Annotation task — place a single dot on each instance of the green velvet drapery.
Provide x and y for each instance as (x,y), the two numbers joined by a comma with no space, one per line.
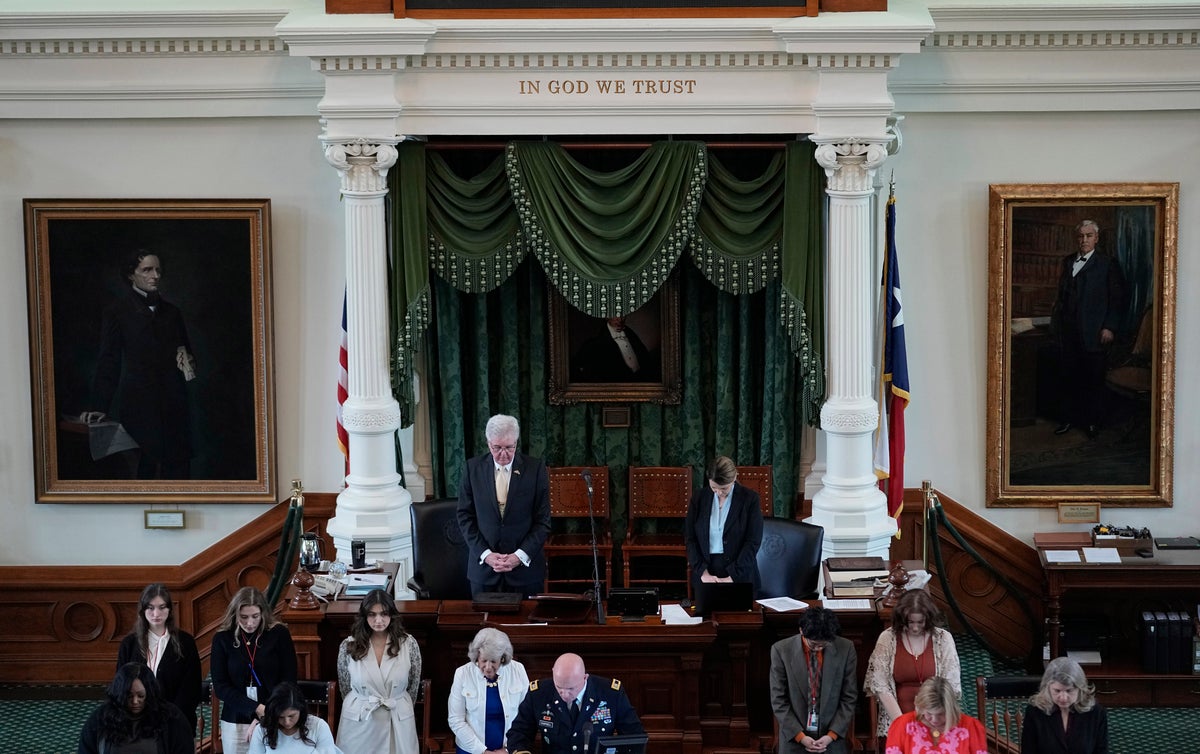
(607,241)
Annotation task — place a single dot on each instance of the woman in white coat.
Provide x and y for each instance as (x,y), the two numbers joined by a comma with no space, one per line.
(379,673)
(485,694)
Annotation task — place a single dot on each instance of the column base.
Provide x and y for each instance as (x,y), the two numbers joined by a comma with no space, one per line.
(381,519)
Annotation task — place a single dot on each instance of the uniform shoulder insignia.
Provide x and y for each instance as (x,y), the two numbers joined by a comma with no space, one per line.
(616,684)
(533,685)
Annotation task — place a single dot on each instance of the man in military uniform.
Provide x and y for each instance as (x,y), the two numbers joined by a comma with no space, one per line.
(602,709)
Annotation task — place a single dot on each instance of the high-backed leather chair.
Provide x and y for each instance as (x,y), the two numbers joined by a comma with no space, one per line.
(758,478)
(789,558)
(439,552)
(568,500)
(659,493)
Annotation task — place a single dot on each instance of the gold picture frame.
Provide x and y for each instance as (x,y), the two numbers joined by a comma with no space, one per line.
(585,366)
(166,397)
(1081,368)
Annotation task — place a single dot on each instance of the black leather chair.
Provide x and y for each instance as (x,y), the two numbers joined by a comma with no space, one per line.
(439,552)
(789,559)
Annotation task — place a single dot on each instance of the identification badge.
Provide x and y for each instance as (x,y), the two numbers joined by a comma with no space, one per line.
(812,722)
(252,693)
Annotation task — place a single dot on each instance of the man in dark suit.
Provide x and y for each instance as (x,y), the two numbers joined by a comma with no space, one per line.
(733,511)
(601,709)
(504,514)
(1090,305)
(814,719)
(616,354)
(145,362)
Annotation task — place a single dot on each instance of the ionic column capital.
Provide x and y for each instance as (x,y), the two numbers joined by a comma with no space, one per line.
(850,164)
(362,164)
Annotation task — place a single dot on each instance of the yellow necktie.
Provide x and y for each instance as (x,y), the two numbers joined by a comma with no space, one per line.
(502,488)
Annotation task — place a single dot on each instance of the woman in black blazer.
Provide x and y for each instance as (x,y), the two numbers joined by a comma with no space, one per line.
(726,508)
(251,655)
(171,655)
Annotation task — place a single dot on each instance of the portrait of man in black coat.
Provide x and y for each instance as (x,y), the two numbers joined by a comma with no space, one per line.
(145,363)
(616,354)
(1087,313)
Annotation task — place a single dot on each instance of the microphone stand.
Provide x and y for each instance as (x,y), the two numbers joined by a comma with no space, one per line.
(587,477)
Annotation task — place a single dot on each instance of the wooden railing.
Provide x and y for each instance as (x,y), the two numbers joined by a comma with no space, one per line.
(63,624)
(994,612)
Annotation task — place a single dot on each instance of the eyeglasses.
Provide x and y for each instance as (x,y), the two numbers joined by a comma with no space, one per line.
(502,448)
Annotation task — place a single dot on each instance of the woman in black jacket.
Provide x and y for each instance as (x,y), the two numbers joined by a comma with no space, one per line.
(134,717)
(171,655)
(251,654)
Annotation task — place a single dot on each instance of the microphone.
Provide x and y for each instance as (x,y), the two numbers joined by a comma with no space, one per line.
(587,477)
(587,737)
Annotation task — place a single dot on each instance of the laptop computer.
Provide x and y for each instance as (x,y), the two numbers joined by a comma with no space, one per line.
(724,597)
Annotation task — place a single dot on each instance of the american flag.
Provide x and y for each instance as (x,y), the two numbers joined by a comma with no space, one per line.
(343,391)
(893,389)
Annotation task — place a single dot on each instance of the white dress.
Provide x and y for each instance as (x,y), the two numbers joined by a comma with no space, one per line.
(318,732)
(377,702)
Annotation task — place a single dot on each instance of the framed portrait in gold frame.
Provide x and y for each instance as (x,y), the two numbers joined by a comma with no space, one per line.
(628,359)
(1081,344)
(151,354)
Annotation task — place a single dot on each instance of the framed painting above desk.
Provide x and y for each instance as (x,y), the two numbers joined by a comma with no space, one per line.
(1081,344)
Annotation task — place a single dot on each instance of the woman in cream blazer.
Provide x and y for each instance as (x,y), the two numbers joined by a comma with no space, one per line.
(485,694)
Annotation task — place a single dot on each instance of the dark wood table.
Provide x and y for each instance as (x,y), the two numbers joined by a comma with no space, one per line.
(695,687)
(1120,591)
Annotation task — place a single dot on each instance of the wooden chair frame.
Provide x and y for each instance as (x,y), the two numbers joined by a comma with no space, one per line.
(568,499)
(758,478)
(656,492)
(1000,706)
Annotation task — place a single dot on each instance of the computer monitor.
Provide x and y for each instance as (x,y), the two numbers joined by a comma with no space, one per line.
(634,743)
(724,596)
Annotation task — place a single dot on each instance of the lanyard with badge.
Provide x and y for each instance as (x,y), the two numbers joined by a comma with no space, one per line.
(252,689)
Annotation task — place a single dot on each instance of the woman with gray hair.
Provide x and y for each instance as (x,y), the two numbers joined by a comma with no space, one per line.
(1063,715)
(485,694)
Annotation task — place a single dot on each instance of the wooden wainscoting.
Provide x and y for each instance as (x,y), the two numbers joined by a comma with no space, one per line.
(995,613)
(63,624)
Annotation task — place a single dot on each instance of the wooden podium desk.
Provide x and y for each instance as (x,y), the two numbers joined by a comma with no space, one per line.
(1171,576)
(695,687)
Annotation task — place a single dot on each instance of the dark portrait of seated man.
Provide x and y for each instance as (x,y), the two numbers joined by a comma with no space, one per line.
(616,354)
(144,365)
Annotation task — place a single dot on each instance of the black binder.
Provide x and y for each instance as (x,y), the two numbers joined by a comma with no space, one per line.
(1177,635)
(1149,642)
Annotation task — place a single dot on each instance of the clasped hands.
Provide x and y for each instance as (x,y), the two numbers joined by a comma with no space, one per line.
(502,563)
(708,578)
(816,744)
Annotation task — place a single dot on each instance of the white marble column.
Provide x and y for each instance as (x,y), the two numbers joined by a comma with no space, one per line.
(373,507)
(849,504)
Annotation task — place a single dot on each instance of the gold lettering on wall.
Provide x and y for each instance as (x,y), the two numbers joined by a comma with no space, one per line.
(607,86)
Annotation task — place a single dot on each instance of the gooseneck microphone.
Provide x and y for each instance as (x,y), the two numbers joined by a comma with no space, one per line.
(587,478)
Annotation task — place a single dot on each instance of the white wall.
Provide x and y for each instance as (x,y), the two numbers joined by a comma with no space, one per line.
(276,158)
(942,177)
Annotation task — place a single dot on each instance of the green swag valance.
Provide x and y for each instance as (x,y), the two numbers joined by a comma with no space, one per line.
(608,240)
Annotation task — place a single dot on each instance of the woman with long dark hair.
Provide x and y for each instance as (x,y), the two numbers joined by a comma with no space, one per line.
(136,718)
(287,728)
(251,654)
(170,653)
(379,674)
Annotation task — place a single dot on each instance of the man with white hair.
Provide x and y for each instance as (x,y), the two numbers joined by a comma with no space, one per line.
(504,514)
